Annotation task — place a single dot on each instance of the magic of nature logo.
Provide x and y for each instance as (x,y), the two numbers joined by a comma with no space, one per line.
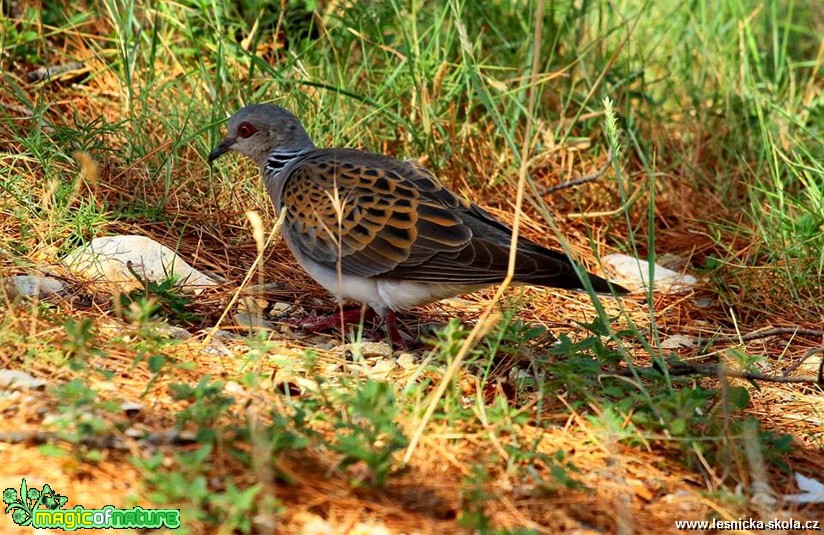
(42,508)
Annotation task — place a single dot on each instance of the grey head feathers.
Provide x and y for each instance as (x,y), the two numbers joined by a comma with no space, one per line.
(260,130)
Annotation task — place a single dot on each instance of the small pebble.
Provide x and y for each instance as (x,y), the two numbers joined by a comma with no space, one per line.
(131,408)
(233,387)
(267,287)
(217,348)
(222,334)
(407,361)
(369,350)
(633,272)
(32,286)
(677,341)
(173,331)
(381,370)
(280,308)
(17,380)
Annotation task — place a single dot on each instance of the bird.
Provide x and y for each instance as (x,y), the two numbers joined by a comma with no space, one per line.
(381,231)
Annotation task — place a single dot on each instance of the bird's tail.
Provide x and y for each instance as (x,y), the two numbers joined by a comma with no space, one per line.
(603,286)
(568,279)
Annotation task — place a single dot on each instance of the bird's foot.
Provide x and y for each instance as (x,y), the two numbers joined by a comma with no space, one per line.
(355,316)
(330,321)
(395,338)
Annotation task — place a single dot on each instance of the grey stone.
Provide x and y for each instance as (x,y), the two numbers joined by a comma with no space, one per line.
(253,321)
(266,287)
(250,314)
(17,380)
(218,348)
(223,334)
(633,273)
(173,331)
(677,341)
(131,408)
(407,361)
(33,286)
(369,349)
(112,259)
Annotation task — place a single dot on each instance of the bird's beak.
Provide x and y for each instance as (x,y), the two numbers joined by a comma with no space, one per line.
(225,146)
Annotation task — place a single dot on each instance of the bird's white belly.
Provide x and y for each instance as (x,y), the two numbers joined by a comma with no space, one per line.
(380,294)
(345,286)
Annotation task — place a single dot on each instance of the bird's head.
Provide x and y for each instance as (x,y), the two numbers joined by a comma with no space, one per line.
(258,130)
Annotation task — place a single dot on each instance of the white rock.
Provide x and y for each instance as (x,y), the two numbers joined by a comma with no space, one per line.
(217,348)
(233,387)
(633,272)
(131,432)
(677,341)
(107,259)
(131,408)
(812,491)
(407,361)
(369,349)
(173,331)
(17,380)
(382,369)
(253,321)
(33,286)
(280,308)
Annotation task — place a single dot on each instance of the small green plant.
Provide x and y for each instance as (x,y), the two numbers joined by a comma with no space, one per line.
(578,364)
(81,341)
(157,300)
(235,507)
(365,431)
(83,418)
(473,514)
(20,40)
(207,403)
(156,363)
(185,484)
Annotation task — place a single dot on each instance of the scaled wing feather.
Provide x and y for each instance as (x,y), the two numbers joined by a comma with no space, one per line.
(391,219)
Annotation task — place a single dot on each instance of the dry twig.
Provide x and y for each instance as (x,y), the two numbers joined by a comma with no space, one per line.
(767,333)
(681,368)
(171,437)
(580,180)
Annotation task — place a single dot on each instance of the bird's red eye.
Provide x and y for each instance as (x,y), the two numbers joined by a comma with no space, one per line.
(245,130)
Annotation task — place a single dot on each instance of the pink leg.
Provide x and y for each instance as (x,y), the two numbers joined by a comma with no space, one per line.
(351,316)
(331,321)
(395,338)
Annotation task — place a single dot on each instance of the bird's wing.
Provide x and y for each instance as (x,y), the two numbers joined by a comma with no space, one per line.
(485,257)
(377,216)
